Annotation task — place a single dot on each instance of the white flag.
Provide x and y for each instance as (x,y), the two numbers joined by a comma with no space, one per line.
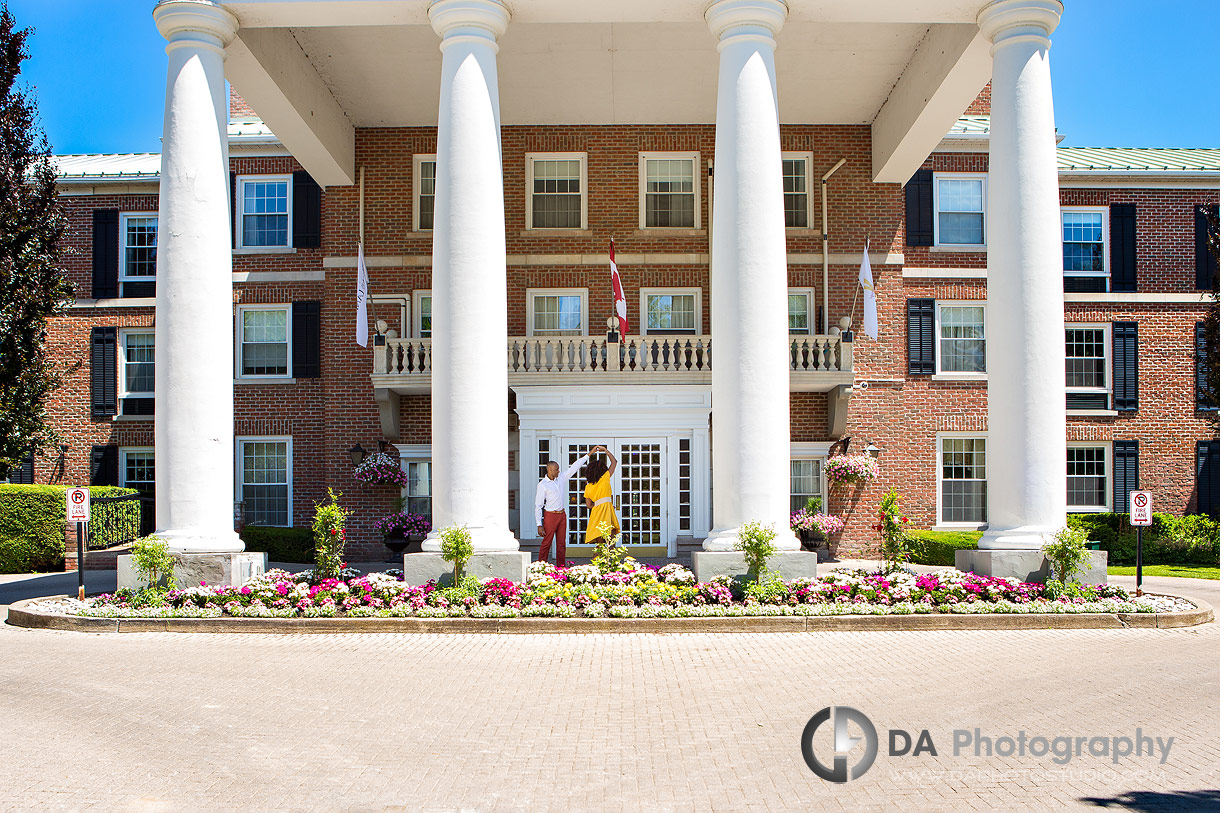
(362,299)
(870,298)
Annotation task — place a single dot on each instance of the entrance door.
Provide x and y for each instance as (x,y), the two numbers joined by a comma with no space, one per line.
(640,494)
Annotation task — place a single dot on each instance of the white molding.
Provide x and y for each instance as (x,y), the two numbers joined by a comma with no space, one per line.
(583,158)
(1137,298)
(944,273)
(414,451)
(279,276)
(594,259)
(663,291)
(1108,490)
(530,293)
(132,302)
(696,159)
(812,315)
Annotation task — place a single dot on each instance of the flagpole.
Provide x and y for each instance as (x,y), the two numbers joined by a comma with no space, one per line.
(856,295)
(361,238)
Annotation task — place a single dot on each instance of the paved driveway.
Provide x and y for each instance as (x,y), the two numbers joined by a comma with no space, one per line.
(157,721)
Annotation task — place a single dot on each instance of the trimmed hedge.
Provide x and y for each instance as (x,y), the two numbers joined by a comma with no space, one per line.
(32,525)
(1170,540)
(939,547)
(294,545)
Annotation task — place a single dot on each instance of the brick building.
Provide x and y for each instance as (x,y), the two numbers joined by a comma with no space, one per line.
(305,392)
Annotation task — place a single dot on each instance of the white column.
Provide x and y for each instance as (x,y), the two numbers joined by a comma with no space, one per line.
(194,320)
(749,281)
(469,288)
(1027,425)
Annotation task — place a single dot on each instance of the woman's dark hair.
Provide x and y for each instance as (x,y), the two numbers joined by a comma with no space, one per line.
(595,468)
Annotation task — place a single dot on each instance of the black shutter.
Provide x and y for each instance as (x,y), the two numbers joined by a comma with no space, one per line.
(306,339)
(1205,263)
(1122,247)
(1126,365)
(919,208)
(306,211)
(103,371)
(104,466)
(1202,402)
(232,207)
(1126,472)
(105,253)
(23,474)
(1207,477)
(139,406)
(921,352)
(1084,285)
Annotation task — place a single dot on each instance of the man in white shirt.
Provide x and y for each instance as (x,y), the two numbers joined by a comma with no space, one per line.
(550,508)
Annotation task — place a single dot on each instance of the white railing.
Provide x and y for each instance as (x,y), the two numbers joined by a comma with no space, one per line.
(636,357)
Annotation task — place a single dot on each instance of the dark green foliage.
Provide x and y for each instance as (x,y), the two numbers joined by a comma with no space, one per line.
(1193,539)
(32,525)
(115,523)
(32,282)
(294,545)
(939,547)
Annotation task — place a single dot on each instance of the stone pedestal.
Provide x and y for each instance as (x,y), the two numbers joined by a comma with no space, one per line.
(1025,565)
(790,564)
(233,569)
(421,568)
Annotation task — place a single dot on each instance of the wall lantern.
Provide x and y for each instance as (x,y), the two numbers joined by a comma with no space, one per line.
(873,450)
(357,454)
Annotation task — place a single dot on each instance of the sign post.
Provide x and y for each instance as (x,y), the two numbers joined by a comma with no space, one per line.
(77,501)
(1141,515)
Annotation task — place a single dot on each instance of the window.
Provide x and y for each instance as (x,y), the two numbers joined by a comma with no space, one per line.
(1088,478)
(425,192)
(961,346)
(677,311)
(423,314)
(556,183)
(419,487)
(137,365)
(1087,361)
(137,469)
(1084,242)
(796,190)
(960,205)
(800,310)
(668,191)
(806,479)
(962,488)
(557,312)
(265,480)
(264,342)
(139,235)
(265,212)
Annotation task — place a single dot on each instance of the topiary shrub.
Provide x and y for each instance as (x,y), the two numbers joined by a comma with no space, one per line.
(293,545)
(31,528)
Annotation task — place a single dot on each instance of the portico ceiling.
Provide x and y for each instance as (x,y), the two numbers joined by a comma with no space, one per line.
(316,69)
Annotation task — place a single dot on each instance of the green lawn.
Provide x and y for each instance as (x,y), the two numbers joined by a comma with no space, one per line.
(1187,571)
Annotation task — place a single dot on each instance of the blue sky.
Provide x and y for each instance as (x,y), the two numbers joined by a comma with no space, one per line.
(1123,75)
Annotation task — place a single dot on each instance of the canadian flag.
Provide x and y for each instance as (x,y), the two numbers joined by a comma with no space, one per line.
(620,301)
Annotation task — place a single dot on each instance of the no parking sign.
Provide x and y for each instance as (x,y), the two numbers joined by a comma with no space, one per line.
(77,500)
(1141,507)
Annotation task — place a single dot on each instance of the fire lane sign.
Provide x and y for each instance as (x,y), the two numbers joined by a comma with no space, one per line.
(77,500)
(1141,507)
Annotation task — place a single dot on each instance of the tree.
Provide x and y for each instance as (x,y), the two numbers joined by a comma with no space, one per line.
(33,286)
(1209,386)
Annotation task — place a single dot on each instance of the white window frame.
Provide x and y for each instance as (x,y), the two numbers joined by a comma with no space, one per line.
(953,374)
(808,294)
(1108,490)
(240,205)
(126,450)
(940,470)
(809,456)
(416,160)
(647,292)
(123,218)
(123,392)
(1107,346)
(807,157)
(417,313)
(960,176)
(241,309)
(530,293)
(415,453)
(239,469)
(697,183)
(1104,211)
(530,158)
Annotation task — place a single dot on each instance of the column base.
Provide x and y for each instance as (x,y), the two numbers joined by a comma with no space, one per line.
(1025,565)
(421,568)
(796,564)
(481,539)
(202,541)
(725,539)
(216,569)
(1027,538)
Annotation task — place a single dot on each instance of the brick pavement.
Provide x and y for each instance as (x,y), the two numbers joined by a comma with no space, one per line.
(162,721)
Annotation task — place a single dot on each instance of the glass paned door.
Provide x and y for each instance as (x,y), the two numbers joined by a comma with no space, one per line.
(639,485)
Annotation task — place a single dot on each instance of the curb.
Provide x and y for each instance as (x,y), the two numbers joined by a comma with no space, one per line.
(20,616)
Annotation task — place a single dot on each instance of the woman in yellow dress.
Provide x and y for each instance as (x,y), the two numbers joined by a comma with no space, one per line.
(598,496)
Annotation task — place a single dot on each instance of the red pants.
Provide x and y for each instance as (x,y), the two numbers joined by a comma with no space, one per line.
(554,526)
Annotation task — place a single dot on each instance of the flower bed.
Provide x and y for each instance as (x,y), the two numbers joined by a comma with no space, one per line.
(632,591)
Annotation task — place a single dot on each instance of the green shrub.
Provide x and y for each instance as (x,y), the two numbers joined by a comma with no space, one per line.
(31,528)
(1068,556)
(154,562)
(293,545)
(114,523)
(456,547)
(329,536)
(1170,540)
(940,547)
(756,543)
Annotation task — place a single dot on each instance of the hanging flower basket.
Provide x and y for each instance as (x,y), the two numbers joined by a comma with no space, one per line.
(816,525)
(852,469)
(380,469)
(402,525)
